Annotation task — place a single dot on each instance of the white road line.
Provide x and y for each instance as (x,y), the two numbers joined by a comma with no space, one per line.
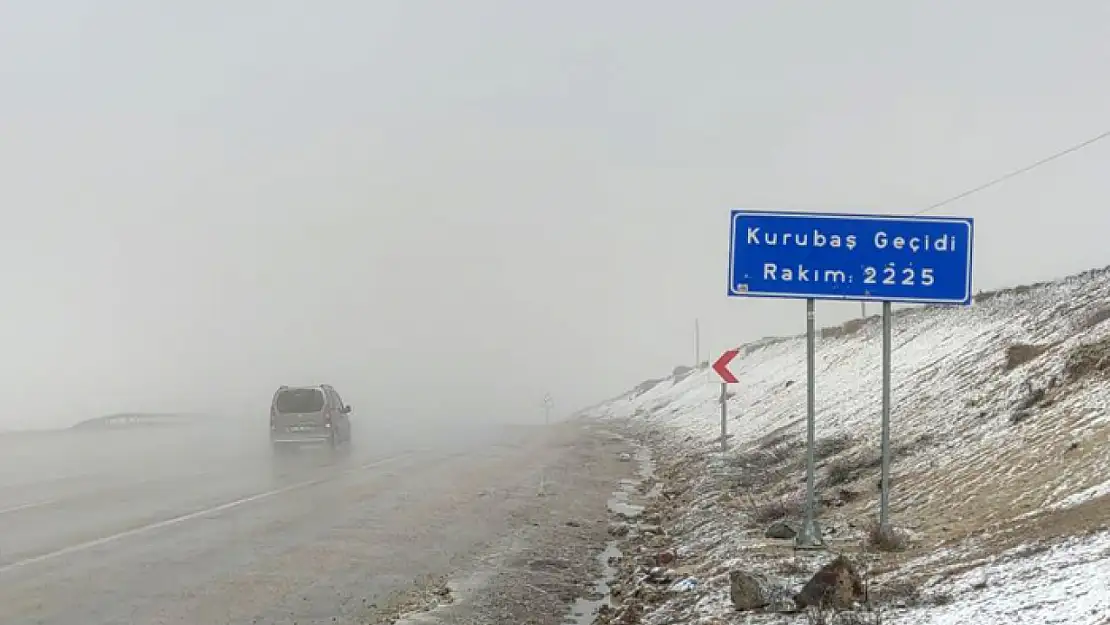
(92,544)
(29,506)
(113,487)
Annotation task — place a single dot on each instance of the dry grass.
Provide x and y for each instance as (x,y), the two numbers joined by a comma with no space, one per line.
(849,469)
(789,507)
(828,447)
(1005,509)
(915,446)
(847,329)
(886,539)
(940,599)
(1022,353)
(986,296)
(778,439)
(646,386)
(1088,359)
(764,342)
(767,464)
(793,567)
(829,616)
(1096,318)
(840,471)
(905,592)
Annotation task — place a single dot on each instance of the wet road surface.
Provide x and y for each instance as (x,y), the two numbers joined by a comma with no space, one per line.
(193,525)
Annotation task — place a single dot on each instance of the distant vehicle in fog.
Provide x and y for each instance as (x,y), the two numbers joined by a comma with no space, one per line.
(302,415)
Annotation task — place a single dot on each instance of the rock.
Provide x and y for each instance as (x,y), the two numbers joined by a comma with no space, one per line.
(847,496)
(685,584)
(653,595)
(629,515)
(681,371)
(618,529)
(745,591)
(625,457)
(836,585)
(631,614)
(781,530)
(661,575)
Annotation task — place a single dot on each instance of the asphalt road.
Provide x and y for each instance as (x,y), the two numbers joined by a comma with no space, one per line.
(195,525)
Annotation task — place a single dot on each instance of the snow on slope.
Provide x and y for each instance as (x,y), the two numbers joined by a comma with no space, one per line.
(995,454)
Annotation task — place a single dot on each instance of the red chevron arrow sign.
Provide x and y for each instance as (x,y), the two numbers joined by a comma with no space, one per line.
(721,366)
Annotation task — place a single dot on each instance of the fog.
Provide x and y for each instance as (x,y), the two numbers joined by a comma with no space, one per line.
(448,209)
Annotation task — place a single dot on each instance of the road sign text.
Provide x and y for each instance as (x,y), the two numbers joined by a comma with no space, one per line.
(843,256)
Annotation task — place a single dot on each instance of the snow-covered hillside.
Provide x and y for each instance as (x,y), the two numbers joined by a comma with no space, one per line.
(1000,426)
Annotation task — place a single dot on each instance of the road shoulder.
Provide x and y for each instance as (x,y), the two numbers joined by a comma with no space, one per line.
(548,559)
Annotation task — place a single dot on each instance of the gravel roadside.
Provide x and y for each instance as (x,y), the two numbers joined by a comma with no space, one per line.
(547,560)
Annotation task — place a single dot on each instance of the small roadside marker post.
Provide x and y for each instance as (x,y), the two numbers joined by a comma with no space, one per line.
(547,404)
(720,366)
(842,256)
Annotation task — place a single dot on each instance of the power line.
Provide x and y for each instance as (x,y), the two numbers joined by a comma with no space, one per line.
(1017,172)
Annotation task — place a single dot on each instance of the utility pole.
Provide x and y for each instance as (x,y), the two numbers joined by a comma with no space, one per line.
(697,344)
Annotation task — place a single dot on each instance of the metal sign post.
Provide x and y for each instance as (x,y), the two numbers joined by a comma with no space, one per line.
(720,366)
(840,256)
(809,536)
(884,499)
(724,417)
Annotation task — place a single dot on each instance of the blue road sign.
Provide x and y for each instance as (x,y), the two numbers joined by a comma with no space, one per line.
(853,257)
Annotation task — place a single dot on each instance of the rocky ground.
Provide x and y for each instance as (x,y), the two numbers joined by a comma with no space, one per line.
(673,570)
(714,545)
(536,575)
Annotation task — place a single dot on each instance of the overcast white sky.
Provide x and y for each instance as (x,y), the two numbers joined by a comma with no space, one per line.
(448,208)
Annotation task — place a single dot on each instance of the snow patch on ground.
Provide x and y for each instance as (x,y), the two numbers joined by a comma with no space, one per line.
(1070,583)
(1094,492)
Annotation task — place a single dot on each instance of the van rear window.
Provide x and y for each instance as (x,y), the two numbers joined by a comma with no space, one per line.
(300,400)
